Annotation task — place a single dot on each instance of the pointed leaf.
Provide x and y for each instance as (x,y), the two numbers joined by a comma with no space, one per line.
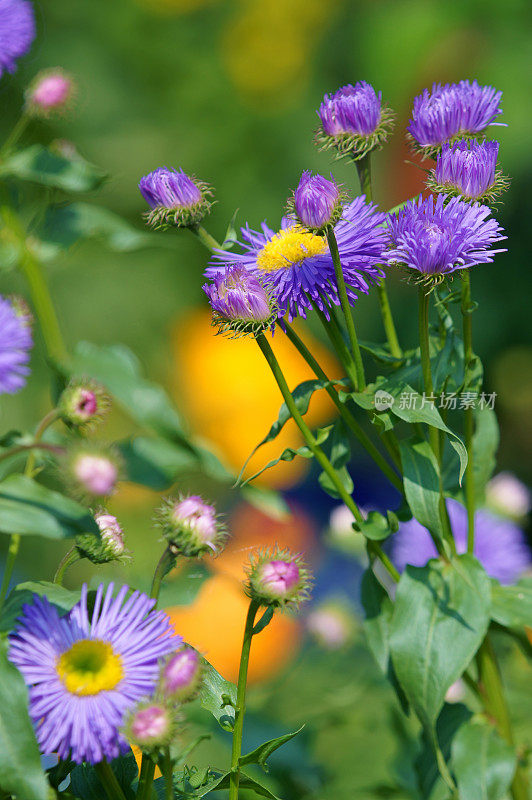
(421,482)
(51,168)
(63,599)
(261,753)
(512,605)
(212,692)
(483,763)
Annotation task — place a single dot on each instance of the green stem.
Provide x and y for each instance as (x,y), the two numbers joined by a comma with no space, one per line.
(434,434)
(23,448)
(168,775)
(44,308)
(334,334)
(206,238)
(17,131)
(346,308)
(14,544)
(236,751)
(147,773)
(491,688)
(109,781)
(316,450)
(45,423)
(70,557)
(469,419)
(164,565)
(346,415)
(363,166)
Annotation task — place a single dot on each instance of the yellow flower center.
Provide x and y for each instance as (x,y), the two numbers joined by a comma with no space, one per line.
(288,248)
(89,667)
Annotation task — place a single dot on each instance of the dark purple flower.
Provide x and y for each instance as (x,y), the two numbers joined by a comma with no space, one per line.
(436,237)
(353,120)
(452,110)
(174,197)
(317,201)
(240,302)
(468,169)
(15,344)
(298,264)
(500,545)
(17,32)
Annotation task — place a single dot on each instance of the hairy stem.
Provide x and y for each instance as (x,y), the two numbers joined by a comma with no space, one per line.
(164,565)
(469,420)
(205,238)
(70,557)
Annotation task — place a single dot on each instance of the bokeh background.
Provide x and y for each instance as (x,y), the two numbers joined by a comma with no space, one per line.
(228,90)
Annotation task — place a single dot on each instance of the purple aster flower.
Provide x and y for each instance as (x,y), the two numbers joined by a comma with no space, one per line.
(85,673)
(435,237)
(174,197)
(500,545)
(317,202)
(17,32)
(241,303)
(455,110)
(468,169)
(15,343)
(298,264)
(353,120)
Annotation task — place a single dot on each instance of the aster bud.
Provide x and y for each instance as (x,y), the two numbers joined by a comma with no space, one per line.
(51,92)
(241,304)
(353,121)
(175,198)
(181,675)
(109,546)
(191,526)
(277,577)
(151,725)
(93,471)
(331,624)
(83,404)
(468,169)
(317,203)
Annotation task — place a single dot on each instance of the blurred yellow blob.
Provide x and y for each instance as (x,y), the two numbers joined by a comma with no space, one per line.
(230,396)
(214,624)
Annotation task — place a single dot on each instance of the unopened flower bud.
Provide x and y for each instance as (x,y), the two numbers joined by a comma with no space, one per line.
(241,304)
(507,495)
(191,526)
(83,404)
(317,202)
(181,675)
(277,578)
(151,725)
(175,198)
(468,169)
(51,92)
(109,546)
(93,472)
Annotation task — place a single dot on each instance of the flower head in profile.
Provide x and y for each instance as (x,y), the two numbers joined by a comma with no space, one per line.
(500,545)
(86,670)
(51,92)
(434,238)
(108,546)
(83,404)
(93,470)
(17,32)
(242,303)
(353,120)
(317,203)
(277,577)
(191,526)
(450,112)
(175,198)
(181,675)
(468,169)
(15,344)
(297,263)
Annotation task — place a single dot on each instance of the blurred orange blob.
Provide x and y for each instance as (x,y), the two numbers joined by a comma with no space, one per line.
(214,624)
(230,396)
(250,528)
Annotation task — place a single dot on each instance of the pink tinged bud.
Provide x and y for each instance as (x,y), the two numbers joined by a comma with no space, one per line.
(198,516)
(329,626)
(150,725)
(181,673)
(87,404)
(506,493)
(97,474)
(111,533)
(278,578)
(51,91)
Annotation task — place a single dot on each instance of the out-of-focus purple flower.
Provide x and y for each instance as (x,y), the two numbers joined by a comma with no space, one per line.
(353,120)
(17,32)
(468,169)
(500,545)
(507,495)
(435,237)
(174,197)
(454,110)
(298,264)
(93,471)
(331,624)
(191,526)
(50,92)
(15,344)
(316,202)
(85,672)
(241,302)
(277,577)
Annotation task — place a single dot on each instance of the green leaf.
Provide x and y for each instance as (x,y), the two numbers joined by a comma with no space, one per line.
(421,483)
(485,446)
(261,753)
(378,527)
(63,599)
(264,621)
(483,763)
(50,168)
(321,435)
(511,606)
(212,692)
(339,456)
(28,508)
(380,353)
(86,784)
(189,784)
(379,609)
(269,501)
(452,717)
(21,774)
(440,618)
(231,233)
(182,589)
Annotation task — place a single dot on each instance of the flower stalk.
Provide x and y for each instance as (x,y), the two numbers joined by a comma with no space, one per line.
(469,419)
